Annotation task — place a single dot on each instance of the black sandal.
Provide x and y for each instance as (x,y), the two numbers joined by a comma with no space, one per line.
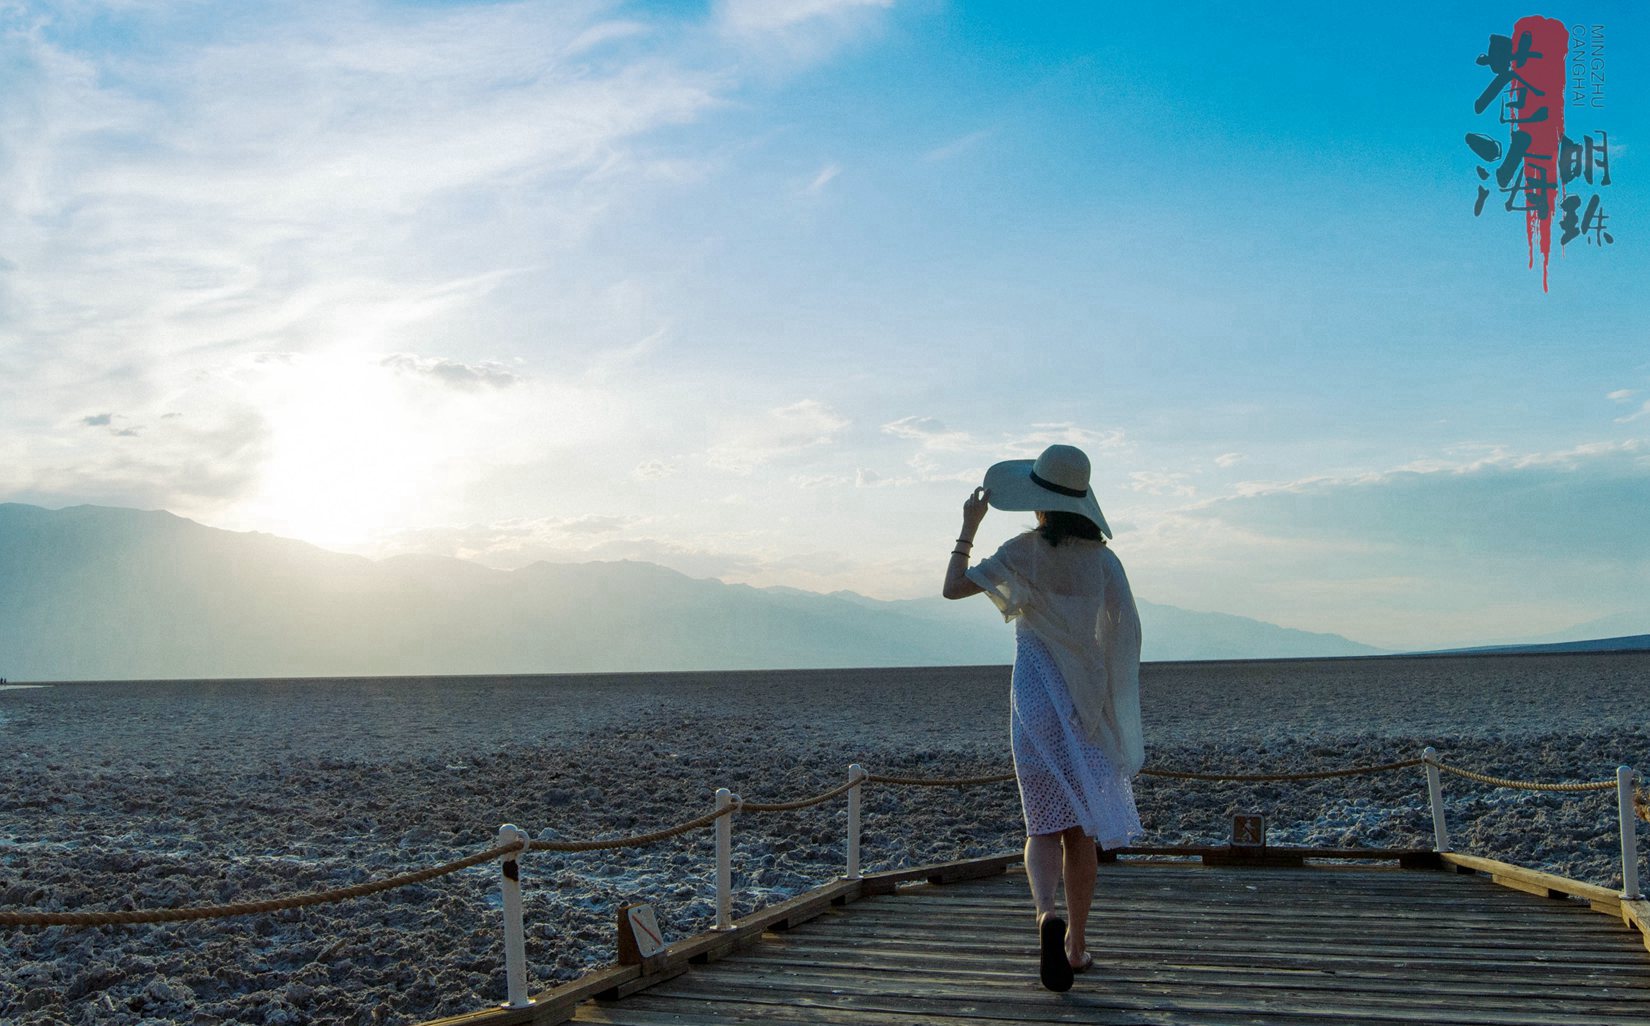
(1053,968)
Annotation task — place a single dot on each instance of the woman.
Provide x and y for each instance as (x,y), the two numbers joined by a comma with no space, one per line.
(1075,699)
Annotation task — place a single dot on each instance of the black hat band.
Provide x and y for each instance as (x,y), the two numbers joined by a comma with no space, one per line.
(1061,489)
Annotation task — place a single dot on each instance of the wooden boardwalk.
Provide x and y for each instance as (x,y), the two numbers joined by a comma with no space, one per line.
(1176,942)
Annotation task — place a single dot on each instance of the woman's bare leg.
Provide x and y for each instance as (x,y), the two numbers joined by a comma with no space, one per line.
(1043,858)
(1081,863)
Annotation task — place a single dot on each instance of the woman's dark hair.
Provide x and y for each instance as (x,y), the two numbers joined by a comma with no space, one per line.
(1059,525)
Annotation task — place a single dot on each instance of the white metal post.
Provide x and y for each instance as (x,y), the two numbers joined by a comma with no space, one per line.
(1435,792)
(1629,837)
(515,938)
(724,861)
(856,773)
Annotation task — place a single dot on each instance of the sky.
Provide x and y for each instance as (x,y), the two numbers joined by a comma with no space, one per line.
(757,291)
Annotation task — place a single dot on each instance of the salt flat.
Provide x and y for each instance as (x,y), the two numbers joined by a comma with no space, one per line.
(159,794)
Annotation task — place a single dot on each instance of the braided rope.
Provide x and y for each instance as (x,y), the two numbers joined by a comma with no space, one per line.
(1641,801)
(1527,785)
(800,803)
(635,840)
(242,908)
(1351,771)
(878,778)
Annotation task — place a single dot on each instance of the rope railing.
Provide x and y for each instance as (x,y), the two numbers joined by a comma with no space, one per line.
(242,908)
(513,842)
(1528,785)
(1350,771)
(881,778)
(801,803)
(633,840)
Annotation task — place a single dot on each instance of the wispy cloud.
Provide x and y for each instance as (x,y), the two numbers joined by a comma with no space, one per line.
(1555,535)
(1160,483)
(453,373)
(335,183)
(930,434)
(771,16)
(1229,459)
(780,432)
(958,146)
(822,179)
(1642,412)
(933,435)
(652,470)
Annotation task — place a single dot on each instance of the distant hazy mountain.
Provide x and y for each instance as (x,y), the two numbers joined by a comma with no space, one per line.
(1621,626)
(1628,643)
(97,593)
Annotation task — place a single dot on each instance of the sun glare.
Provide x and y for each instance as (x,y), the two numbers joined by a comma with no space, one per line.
(346,451)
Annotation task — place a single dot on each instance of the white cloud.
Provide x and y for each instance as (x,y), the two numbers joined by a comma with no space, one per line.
(785,431)
(931,433)
(213,232)
(1228,459)
(811,481)
(1158,483)
(1506,544)
(653,470)
(958,146)
(935,436)
(1621,395)
(768,16)
(1643,411)
(453,373)
(1097,444)
(823,178)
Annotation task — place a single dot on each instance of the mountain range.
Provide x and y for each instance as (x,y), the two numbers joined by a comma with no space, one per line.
(93,593)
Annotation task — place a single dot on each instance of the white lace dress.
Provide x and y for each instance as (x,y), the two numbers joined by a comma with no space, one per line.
(1065,780)
(1075,702)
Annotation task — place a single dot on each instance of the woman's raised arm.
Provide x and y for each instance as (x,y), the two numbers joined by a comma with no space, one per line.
(957,584)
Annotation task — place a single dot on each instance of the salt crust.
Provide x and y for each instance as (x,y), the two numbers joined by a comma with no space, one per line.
(144,795)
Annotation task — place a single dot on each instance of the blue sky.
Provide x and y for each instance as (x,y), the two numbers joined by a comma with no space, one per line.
(757,290)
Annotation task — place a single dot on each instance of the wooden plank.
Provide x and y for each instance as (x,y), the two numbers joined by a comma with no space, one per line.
(871,923)
(641,983)
(684,1012)
(1113,908)
(1567,920)
(1420,856)
(1267,990)
(1636,914)
(1207,945)
(1625,968)
(1471,979)
(1537,882)
(1028,1003)
(1283,953)
(888,881)
(705,1011)
(556,1005)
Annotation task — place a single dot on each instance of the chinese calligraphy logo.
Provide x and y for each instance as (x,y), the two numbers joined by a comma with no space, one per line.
(1540,163)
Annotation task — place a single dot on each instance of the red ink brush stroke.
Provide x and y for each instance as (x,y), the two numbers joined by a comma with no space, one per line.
(1551,40)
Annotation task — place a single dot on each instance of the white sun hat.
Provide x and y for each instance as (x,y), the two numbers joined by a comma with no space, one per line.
(1056,480)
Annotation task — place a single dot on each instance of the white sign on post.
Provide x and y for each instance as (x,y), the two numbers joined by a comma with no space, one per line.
(645,926)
